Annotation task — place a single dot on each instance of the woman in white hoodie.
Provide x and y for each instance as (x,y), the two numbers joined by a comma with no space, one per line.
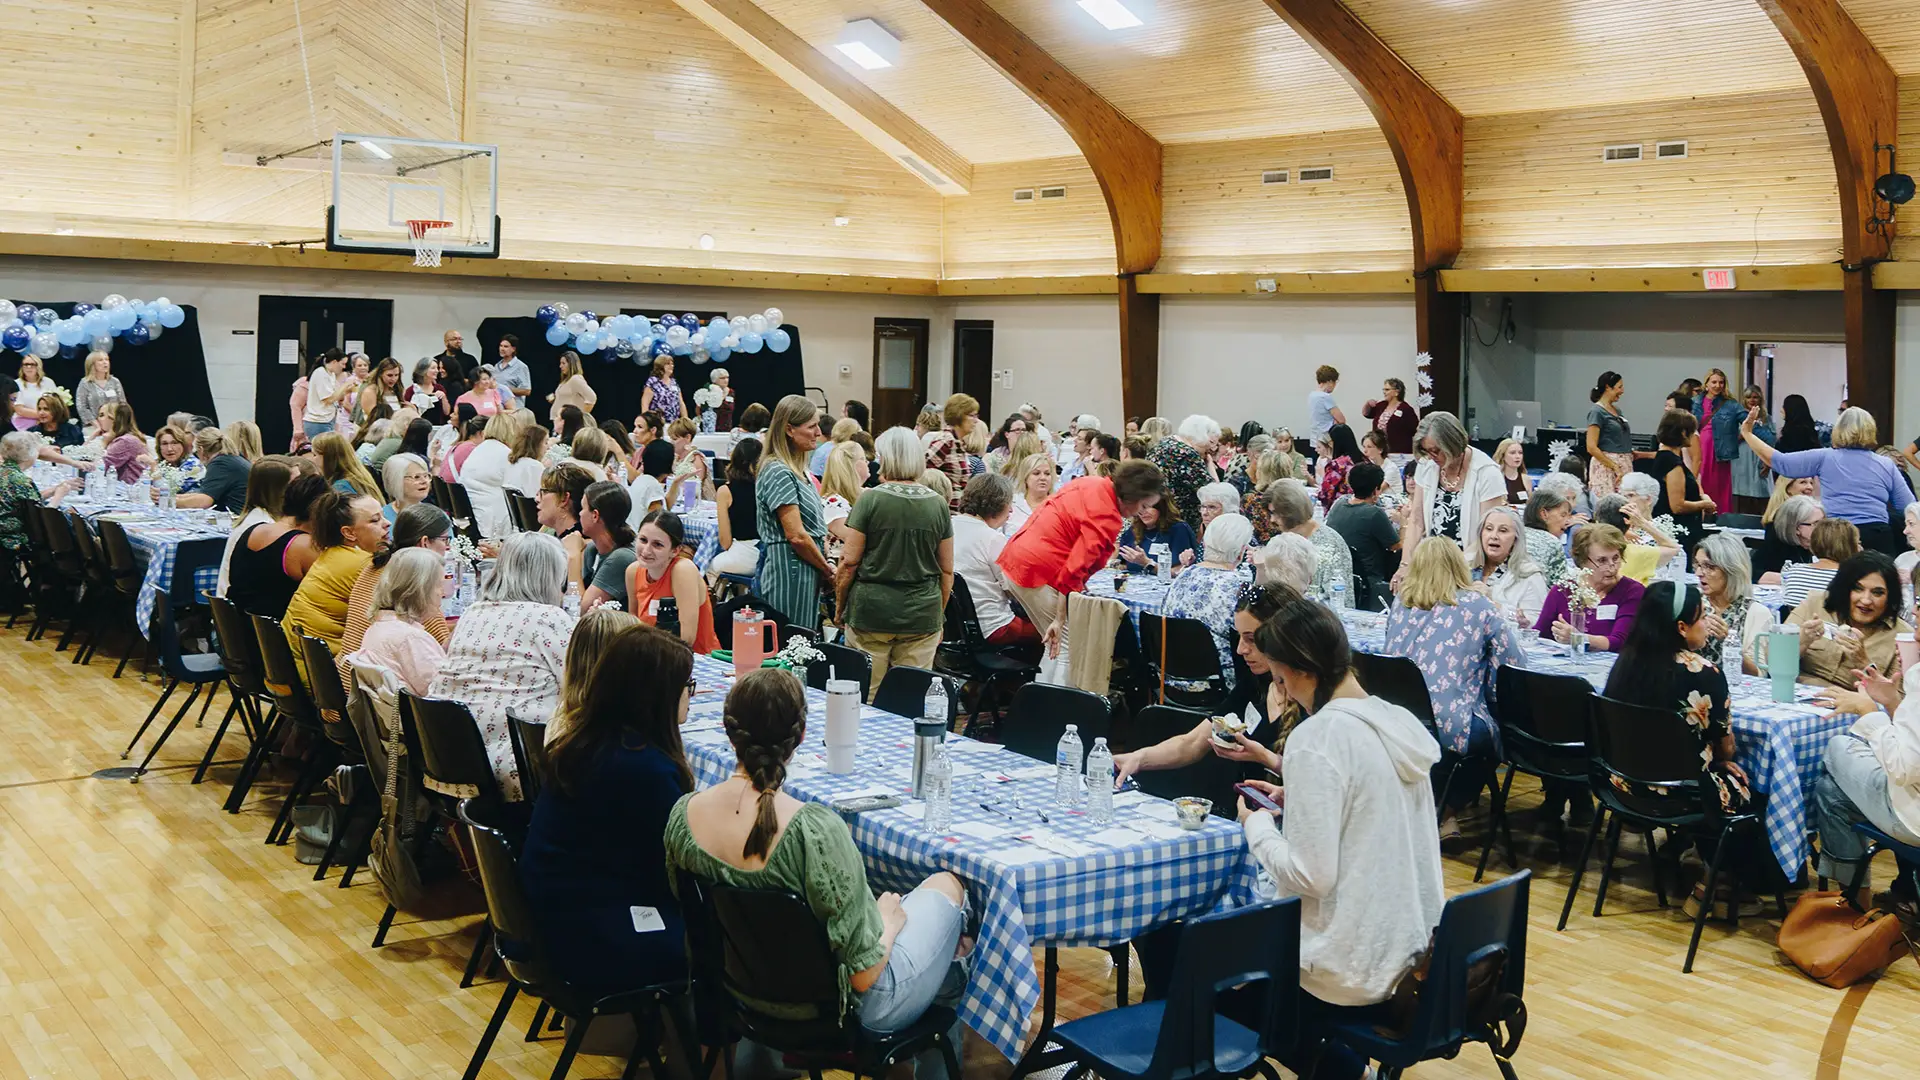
(1872,774)
(1359,845)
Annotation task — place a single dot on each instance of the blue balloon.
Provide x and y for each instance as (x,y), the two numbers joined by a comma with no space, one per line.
(69,352)
(621,325)
(122,318)
(172,316)
(138,334)
(719,354)
(751,342)
(591,316)
(778,340)
(690,321)
(683,350)
(556,333)
(586,344)
(546,315)
(97,323)
(17,338)
(82,309)
(25,313)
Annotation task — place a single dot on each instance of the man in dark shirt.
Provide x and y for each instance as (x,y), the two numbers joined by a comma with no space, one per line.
(1369,533)
(456,366)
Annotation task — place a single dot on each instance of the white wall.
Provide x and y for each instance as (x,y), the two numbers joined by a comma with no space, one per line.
(835,329)
(1654,341)
(1906,373)
(1063,351)
(1503,370)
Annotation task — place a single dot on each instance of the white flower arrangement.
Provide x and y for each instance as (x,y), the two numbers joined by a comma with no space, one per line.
(709,397)
(463,549)
(799,652)
(1557,452)
(169,476)
(557,452)
(1574,580)
(1666,524)
(65,396)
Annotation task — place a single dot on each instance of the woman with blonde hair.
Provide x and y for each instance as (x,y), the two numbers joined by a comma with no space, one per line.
(1019,449)
(1856,484)
(526,459)
(382,388)
(126,453)
(34,385)
(841,486)
(1033,486)
(341,469)
(484,474)
(573,389)
(789,515)
(243,436)
(1506,572)
(99,387)
(595,452)
(591,635)
(1459,638)
(1157,428)
(843,430)
(1511,456)
(1718,415)
(939,483)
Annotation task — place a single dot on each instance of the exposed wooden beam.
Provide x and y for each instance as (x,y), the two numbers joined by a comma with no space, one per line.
(1424,131)
(1360,281)
(1897,275)
(1139,349)
(316,257)
(835,89)
(1124,158)
(1809,277)
(1859,100)
(1087,285)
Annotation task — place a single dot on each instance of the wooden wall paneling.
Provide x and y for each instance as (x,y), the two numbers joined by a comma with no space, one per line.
(1197,72)
(988,234)
(1220,218)
(250,97)
(1859,103)
(183,111)
(837,91)
(940,80)
(1905,246)
(1506,56)
(400,67)
(1284,283)
(1756,187)
(1806,277)
(1891,26)
(606,135)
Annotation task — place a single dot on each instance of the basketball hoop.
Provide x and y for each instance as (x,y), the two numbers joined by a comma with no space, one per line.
(426,247)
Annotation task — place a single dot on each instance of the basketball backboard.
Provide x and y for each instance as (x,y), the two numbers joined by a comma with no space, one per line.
(380,183)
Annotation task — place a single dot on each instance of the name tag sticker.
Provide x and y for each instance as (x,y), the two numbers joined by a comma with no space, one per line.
(647,920)
(1607,611)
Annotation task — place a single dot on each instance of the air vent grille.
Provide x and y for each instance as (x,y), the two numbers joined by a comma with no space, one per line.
(1665,150)
(1023,195)
(1630,152)
(1316,174)
(1274,176)
(1059,192)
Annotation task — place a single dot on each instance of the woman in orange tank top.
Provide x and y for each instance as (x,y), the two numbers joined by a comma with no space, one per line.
(664,572)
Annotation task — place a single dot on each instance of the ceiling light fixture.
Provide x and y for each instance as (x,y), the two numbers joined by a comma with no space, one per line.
(706,241)
(376,150)
(869,44)
(840,221)
(1118,14)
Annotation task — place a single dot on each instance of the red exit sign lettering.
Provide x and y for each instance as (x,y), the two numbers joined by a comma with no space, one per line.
(1718,279)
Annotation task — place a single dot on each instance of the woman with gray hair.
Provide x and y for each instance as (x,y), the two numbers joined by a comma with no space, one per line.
(1292,510)
(1726,581)
(1186,460)
(1288,559)
(1506,571)
(1568,487)
(896,570)
(510,647)
(1791,538)
(1453,487)
(1856,484)
(396,638)
(1216,499)
(1210,589)
(19,495)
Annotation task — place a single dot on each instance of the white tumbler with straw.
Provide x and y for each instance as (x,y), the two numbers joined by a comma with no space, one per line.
(843,723)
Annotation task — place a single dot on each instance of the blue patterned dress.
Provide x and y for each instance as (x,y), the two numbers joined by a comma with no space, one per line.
(1210,595)
(1458,647)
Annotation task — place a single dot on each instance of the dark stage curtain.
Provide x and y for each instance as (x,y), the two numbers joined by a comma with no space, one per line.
(161,377)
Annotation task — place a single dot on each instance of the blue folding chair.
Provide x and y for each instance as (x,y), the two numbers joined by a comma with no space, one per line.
(1485,929)
(1183,1035)
(200,671)
(1905,856)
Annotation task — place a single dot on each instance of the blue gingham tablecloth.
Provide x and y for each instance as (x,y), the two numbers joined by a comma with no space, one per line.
(1055,880)
(156,536)
(703,534)
(1780,744)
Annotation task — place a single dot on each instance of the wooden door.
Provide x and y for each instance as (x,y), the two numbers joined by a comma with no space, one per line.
(294,331)
(899,371)
(973,364)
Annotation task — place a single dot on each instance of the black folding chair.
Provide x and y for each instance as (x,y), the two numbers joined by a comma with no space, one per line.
(462,513)
(843,660)
(1183,658)
(127,576)
(240,657)
(529,739)
(903,692)
(291,701)
(1398,680)
(445,740)
(1543,729)
(330,699)
(965,654)
(1040,715)
(199,671)
(63,572)
(523,511)
(1211,778)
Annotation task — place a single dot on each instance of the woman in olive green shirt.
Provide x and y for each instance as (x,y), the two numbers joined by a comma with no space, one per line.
(897,956)
(896,570)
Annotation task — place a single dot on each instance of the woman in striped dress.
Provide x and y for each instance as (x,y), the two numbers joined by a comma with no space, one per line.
(788,513)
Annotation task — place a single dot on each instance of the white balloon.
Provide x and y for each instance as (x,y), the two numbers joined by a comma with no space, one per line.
(103,343)
(113,300)
(698,338)
(739,322)
(775,317)
(561,310)
(576,322)
(7,312)
(45,344)
(162,302)
(757,323)
(701,356)
(677,336)
(731,341)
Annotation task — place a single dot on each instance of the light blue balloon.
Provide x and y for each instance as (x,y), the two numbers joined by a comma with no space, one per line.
(172,316)
(556,333)
(587,343)
(751,342)
(720,354)
(683,349)
(99,322)
(69,332)
(621,325)
(122,318)
(778,340)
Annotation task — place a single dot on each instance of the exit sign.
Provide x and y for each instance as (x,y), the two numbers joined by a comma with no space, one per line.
(1718,279)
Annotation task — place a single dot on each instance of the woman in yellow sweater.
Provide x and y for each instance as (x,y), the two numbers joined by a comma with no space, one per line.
(348,530)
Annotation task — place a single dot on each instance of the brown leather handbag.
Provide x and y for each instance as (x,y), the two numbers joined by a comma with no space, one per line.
(1835,943)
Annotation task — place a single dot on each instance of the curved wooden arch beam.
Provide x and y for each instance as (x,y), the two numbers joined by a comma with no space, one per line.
(1125,161)
(1427,137)
(1858,95)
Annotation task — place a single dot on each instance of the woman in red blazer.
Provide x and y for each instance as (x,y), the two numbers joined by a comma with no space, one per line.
(1071,537)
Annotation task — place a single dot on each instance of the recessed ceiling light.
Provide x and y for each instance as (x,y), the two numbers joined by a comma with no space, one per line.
(1118,14)
(869,44)
(706,241)
(376,150)
(841,220)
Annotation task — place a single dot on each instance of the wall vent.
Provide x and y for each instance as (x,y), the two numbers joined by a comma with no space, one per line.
(1059,192)
(1630,152)
(1665,150)
(1274,176)
(1316,174)
(1024,194)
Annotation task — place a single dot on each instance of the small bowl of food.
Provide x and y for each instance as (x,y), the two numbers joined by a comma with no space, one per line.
(1191,812)
(1226,728)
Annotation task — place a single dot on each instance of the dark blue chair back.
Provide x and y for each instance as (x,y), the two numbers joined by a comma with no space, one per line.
(188,559)
(1255,944)
(166,635)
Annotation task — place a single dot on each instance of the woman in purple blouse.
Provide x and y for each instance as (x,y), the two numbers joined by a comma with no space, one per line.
(662,394)
(1599,550)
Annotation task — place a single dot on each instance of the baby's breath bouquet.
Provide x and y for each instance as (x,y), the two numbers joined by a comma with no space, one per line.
(1573,580)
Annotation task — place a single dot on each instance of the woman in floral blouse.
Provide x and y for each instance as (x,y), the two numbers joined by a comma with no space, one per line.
(1210,590)
(1459,639)
(1338,453)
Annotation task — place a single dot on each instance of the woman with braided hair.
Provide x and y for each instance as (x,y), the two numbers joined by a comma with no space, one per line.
(897,955)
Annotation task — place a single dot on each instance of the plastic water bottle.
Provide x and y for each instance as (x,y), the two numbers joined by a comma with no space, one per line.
(1730,655)
(1337,596)
(450,588)
(936,791)
(1100,783)
(166,496)
(1066,769)
(935,705)
(572,602)
(1163,558)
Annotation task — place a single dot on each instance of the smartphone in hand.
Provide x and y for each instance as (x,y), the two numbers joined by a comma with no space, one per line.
(1257,797)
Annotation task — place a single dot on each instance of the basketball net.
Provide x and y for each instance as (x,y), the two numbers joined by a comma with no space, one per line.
(426,247)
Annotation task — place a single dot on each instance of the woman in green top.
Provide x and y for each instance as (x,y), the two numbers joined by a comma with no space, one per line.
(787,513)
(896,570)
(897,956)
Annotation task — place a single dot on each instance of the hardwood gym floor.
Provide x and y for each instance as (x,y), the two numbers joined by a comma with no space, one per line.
(145,933)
